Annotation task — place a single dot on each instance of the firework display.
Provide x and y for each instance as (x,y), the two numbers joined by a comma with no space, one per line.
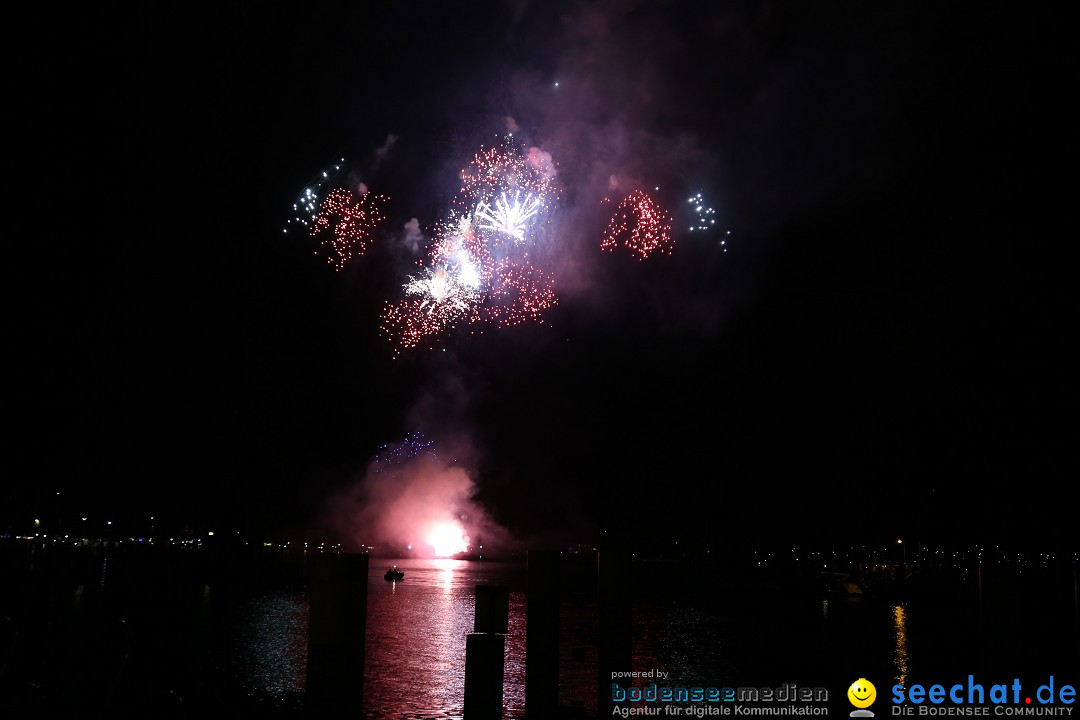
(704,218)
(478,268)
(394,455)
(641,225)
(507,216)
(467,251)
(520,292)
(345,224)
(703,215)
(423,498)
(306,206)
(342,219)
(447,539)
(505,168)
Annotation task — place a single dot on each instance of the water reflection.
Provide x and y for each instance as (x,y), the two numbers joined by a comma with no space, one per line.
(446,572)
(416,638)
(271,655)
(208,628)
(417,627)
(416,630)
(900,653)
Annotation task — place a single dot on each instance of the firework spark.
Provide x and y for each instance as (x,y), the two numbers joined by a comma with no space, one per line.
(521,292)
(641,225)
(472,274)
(346,224)
(441,290)
(306,206)
(507,216)
(406,324)
(445,293)
(504,168)
(704,219)
(703,215)
(415,500)
(439,300)
(458,245)
(393,456)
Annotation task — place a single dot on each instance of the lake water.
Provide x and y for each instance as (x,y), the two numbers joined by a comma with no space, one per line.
(171,634)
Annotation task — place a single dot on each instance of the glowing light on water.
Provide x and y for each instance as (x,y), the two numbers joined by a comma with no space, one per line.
(900,653)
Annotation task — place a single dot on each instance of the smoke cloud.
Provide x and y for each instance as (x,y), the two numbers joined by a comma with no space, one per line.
(542,162)
(413,237)
(382,150)
(417,497)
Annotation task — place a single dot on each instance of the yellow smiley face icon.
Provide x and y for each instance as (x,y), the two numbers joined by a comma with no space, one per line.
(862,693)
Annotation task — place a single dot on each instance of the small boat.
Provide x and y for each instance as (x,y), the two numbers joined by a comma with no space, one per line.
(840,583)
(392,573)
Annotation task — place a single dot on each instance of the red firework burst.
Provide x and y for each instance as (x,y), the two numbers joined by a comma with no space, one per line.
(641,225)
(345,225)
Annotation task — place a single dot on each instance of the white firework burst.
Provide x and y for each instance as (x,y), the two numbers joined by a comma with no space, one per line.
(442,291)
(508,216)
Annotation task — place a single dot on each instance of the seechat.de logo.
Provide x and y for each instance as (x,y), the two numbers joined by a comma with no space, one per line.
(975,698)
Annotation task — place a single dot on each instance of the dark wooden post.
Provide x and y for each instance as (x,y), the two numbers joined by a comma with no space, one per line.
(613,608)
(484,653)
(542,635)
(337,621)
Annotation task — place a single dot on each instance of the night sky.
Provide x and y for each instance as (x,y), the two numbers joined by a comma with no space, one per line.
(887,347)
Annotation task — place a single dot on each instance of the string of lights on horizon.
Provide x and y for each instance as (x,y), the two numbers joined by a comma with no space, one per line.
(961,559)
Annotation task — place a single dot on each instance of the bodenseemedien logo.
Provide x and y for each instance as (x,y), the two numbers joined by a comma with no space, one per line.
(862,694)
(697,701)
